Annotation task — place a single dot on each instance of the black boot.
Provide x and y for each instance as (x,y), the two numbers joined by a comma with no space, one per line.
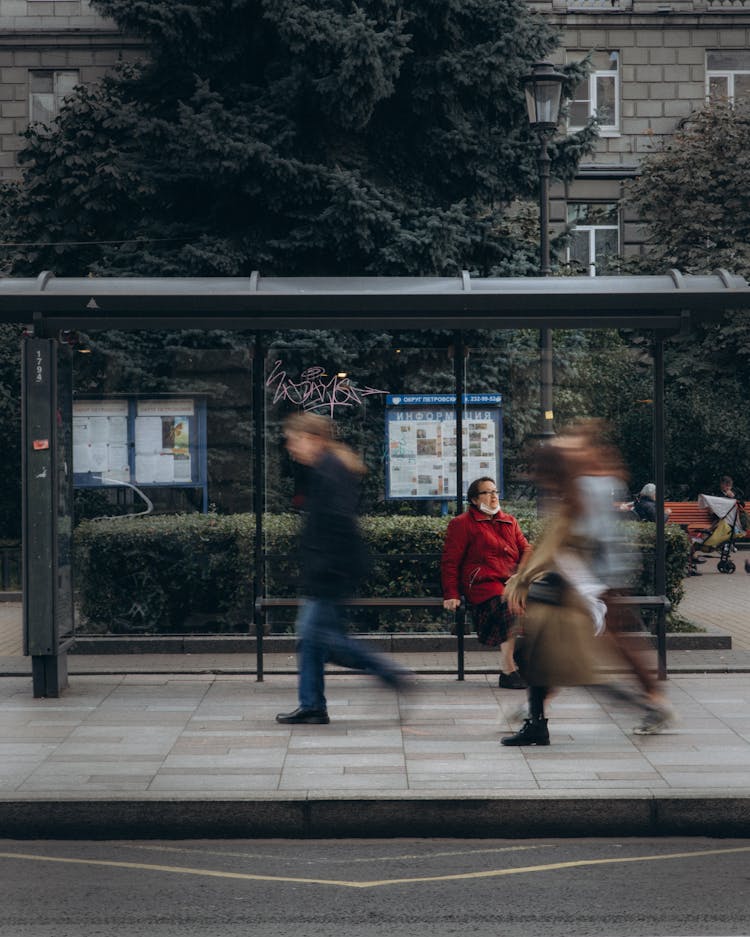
(532,732)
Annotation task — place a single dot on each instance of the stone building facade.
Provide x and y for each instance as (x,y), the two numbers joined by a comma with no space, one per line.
(47,47)
(655,61)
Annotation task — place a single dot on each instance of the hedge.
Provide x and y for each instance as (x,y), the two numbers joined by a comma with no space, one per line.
(195,573)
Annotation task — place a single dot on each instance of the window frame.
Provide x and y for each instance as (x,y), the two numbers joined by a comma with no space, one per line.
(58,97)
(591,230)
(606,130)
(730,73)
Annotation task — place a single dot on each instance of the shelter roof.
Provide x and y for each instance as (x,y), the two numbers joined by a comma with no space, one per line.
(258,302)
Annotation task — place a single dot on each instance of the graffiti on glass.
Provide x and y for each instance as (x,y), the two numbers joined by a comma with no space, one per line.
(316,390)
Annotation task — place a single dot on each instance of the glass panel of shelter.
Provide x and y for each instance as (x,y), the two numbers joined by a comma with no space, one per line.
(154,416)
(364,382)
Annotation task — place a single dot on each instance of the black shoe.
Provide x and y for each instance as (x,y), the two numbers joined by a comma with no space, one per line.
(747,566)
(511,681)
(532,732)
(694,572)
(311,717)
(700,559)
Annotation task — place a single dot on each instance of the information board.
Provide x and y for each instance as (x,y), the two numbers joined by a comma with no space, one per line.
(158,441)
(421,444)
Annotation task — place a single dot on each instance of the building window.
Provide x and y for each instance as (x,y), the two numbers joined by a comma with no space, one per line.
(728,75)
(47,91)
(598,95)
(594,246)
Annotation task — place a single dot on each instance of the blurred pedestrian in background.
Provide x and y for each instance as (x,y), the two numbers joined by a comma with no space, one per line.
(333,560)
(483,547)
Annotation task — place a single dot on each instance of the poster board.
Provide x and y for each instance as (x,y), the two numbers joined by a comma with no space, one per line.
(144,441)
(421,444)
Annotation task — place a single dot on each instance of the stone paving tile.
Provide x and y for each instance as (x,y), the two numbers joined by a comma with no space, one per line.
(603,786)
(361,759)
(708,781)
(341,784)
(232,745)
(207,785)
(228,761)
(108,784)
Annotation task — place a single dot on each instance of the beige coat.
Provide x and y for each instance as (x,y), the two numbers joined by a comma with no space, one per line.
(559,642)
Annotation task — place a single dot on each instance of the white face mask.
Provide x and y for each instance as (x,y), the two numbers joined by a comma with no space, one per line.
(486,509)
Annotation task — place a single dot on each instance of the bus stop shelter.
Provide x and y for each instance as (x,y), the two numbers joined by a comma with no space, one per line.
(658,305)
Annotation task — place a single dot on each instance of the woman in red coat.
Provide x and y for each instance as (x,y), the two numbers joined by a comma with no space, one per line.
(483,547)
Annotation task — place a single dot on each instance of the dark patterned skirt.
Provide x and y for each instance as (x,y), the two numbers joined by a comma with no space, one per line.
(493,621)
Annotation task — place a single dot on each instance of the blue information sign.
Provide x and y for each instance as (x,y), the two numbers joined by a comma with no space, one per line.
(421,444)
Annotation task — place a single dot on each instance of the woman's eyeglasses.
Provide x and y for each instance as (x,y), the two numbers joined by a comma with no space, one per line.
(492,491)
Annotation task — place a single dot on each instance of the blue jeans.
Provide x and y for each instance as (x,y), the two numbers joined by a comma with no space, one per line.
(321,637)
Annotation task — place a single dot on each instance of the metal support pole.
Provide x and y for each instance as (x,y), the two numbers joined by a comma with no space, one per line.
(660,558)
(459,371)
(259,495)
(460,634)
(47,528)
(545,334)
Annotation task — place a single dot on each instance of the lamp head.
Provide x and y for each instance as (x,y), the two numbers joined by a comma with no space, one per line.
(543,89)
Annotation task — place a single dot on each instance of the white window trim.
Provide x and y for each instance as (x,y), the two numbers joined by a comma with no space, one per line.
(591,230)
(729,74)
(605,130)
(57,96)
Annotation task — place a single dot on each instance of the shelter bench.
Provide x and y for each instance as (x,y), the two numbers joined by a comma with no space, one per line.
(658,602)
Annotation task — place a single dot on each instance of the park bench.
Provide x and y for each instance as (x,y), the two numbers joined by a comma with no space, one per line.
(690,515)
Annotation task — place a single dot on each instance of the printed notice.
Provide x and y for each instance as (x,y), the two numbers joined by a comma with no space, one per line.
(100,439)
(421,449)
(153,440)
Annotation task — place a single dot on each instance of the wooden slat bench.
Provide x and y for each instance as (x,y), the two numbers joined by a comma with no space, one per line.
(689,515)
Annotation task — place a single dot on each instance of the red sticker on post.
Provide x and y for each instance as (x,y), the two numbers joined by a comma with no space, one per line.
(41,444)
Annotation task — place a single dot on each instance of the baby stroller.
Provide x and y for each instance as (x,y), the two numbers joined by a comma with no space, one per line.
(727,528)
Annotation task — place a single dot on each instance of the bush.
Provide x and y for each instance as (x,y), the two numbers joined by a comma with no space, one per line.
(195,573)
(165,574)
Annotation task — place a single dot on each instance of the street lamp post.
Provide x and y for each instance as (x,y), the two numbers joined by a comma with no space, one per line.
(543,97)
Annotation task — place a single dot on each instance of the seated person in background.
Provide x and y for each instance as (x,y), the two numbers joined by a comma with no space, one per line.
(728,489)
(644,506)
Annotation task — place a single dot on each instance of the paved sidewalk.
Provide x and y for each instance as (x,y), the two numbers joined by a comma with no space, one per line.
(187,745)
(717,600)
(143,754)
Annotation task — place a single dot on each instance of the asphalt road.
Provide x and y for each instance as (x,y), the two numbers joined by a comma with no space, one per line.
(373,888)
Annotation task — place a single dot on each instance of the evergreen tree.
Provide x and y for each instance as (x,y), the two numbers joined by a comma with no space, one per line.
(293,137)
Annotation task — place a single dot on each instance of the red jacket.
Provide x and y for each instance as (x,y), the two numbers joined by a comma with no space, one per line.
(479,554)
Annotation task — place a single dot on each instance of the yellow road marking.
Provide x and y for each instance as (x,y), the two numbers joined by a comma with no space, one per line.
(288,879)
(348,860)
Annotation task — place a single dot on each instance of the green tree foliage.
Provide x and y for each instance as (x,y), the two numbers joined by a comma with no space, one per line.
(10,421)
(293,137)
(692,194)
(297,137)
